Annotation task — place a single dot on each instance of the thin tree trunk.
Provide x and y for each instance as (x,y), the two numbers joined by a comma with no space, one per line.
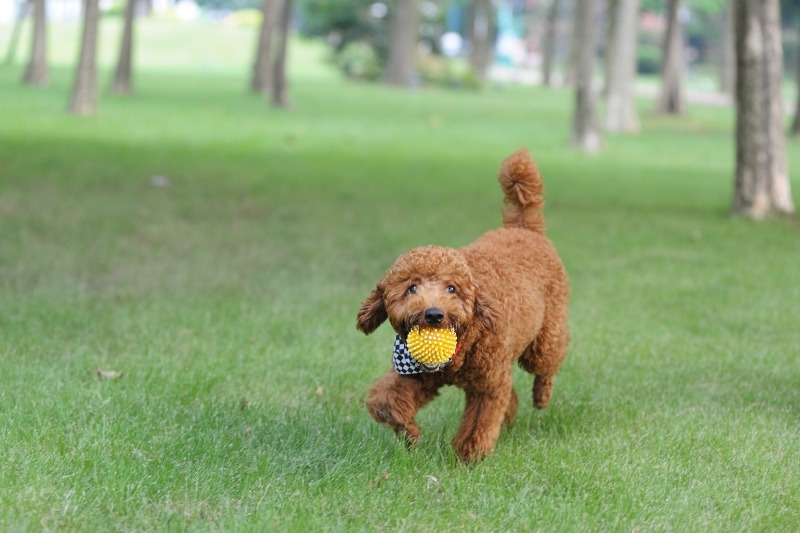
(549,45)
(403,30)
(123,76)
(22,13)
(482,37)
(280,97)
(37,73)
(84,92)
(672,100)
(762,178)
(621,109)
(612,18)
(584,131)
(260,79)
(571,67)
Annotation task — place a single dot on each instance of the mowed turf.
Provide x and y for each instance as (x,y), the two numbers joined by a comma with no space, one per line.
(215,251)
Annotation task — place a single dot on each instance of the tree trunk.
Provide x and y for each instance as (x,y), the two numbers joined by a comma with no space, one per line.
(22,12)
(260,79)
(482,36)
(37,73)
(403,30)
(621,109)
(549,45)
(584,130)
(123,78)
(762,178)
(571,67)
(280,97)
(672,100)
(611,16)
(84,92)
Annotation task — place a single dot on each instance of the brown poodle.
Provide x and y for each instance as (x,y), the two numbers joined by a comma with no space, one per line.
(506,295)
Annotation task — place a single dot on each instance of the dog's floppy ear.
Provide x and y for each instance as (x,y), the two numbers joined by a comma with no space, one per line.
(372,313)
(486,310)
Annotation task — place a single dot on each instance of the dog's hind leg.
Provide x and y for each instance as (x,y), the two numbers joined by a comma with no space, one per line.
(395,399)
(543,364)
(542,390)
(546,353)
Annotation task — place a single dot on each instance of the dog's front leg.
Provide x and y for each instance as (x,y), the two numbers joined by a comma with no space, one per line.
(395,399)
(483,419)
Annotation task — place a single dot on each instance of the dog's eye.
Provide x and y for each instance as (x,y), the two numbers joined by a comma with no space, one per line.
(412,289)
(451,289)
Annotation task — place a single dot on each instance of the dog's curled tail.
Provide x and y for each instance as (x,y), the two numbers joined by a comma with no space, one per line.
(522,186)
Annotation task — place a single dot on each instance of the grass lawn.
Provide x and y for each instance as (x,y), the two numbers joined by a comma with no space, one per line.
(227,300)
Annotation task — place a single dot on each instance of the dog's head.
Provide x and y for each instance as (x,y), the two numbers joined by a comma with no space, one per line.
(430,286)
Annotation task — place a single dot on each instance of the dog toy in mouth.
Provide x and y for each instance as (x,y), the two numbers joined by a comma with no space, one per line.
(432,346)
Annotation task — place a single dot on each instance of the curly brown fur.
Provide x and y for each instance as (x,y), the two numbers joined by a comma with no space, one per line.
(507,297)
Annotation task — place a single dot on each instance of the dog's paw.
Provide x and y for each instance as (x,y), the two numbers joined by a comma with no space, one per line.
(470,451)
(409,434)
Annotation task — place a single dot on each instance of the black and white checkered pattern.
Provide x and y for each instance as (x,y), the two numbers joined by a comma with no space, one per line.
(405,364)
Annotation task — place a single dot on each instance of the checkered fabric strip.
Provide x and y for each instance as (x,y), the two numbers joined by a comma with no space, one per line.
(403,362)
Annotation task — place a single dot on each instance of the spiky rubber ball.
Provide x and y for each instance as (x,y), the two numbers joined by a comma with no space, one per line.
(431,346)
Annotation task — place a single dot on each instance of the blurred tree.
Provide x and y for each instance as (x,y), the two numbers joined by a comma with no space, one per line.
(672,98)
(584,129)
(260,79)
(482,32)
(549,44)
(280,96)
(341,23)
(358,31)
(621,74)
(84,92)
(762,178)
(610,15)
(22,13)
(37,73)
(355,30)
(403,37)
(123,76)
(571,67)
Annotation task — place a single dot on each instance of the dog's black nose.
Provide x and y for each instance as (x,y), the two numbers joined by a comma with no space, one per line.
(434,315)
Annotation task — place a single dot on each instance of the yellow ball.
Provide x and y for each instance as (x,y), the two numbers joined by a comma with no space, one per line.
(432,346)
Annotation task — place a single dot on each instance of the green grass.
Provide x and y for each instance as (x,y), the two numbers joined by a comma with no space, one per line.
(228,301)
